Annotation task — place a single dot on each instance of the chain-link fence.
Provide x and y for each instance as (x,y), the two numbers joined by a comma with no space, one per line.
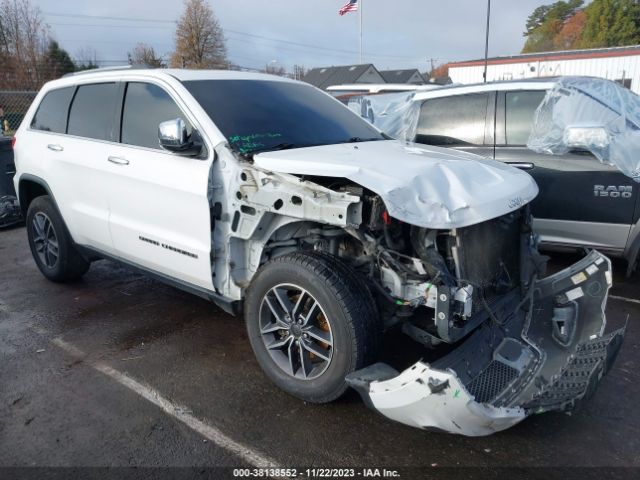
(13,107)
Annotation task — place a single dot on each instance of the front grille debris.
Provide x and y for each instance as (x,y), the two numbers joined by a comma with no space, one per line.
(492,381)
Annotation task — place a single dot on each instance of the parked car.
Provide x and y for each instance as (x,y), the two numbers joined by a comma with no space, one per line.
(273,200)
(583,203)
(347,91)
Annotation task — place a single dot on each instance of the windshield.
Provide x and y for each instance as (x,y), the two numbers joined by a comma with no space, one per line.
(259,115)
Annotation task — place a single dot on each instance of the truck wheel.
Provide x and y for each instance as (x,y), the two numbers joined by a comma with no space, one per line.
(51,245)
(311,321)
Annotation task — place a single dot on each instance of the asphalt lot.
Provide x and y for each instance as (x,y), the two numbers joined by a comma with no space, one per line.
(119,370)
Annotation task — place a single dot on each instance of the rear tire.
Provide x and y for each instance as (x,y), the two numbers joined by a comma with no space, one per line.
(51,245)
(311,321)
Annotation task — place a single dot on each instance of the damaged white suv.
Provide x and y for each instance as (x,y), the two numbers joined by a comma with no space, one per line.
(271,198)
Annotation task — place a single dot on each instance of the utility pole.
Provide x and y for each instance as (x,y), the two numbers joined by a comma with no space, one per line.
(486,45)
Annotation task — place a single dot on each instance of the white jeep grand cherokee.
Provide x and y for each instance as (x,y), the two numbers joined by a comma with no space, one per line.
(269,197)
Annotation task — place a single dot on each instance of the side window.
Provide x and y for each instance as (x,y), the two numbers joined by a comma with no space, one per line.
(145,107)
(450,121)
(92,111)
(53,111)
(520,108)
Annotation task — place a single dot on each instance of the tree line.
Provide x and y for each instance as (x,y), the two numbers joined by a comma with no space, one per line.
(570,25)
(30,56)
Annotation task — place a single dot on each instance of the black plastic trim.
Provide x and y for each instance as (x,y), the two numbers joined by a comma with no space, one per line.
(233,307)
(32,178)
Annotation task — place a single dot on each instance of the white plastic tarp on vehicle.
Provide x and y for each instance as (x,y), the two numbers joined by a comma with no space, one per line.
(396,114)
(592,114)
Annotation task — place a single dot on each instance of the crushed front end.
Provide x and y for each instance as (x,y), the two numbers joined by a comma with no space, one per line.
(515,343)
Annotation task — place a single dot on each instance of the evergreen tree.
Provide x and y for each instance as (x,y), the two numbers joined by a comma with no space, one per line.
(566,25)
(57,61)
(611,23)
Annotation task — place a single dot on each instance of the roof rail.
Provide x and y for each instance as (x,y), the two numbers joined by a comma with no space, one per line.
(109,69)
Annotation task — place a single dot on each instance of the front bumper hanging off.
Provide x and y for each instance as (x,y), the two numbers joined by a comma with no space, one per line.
(546,352)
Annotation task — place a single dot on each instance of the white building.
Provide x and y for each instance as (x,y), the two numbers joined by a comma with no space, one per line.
(621,64)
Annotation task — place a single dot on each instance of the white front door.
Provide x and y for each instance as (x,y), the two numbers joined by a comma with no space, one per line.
(159,211)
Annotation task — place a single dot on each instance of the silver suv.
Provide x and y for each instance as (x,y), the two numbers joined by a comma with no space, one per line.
(583,203)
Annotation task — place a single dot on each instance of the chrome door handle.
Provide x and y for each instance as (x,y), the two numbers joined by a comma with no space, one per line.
(522,165)
(55,148)
(118,160)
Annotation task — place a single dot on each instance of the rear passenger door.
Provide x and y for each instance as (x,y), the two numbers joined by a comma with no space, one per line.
(464,122)
(74,165)
(581,201)
(160,218)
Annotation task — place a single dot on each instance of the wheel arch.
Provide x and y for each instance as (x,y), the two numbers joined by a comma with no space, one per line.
(632,249)
(31,187)
(248,253)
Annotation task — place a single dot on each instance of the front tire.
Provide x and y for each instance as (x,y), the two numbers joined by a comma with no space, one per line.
(51,245)
(311,321)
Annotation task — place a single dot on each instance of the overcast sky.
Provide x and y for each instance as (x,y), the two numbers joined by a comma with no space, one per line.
(397,34)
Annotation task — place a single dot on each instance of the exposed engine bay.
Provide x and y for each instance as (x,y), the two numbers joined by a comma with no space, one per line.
(522,345)
(438,284)
(465,283)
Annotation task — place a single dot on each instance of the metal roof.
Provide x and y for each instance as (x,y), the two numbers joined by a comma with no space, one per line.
(560,55)
(327,76)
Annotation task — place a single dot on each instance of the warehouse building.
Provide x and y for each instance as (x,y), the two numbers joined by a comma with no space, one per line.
(621,64)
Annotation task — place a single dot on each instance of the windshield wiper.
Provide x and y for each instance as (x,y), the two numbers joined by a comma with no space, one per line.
(280,146)
(360,140)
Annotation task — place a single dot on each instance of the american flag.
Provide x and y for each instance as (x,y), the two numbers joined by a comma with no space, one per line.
(352,6)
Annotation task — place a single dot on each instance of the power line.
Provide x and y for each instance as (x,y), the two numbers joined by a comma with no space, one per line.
(306,45)
(102,17)
(132,27)
(116,42)
(237,32)
(294,49)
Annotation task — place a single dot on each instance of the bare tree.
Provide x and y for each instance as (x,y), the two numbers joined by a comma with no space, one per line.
(278,70)
(299,72)
(24,39)
(200,41)
(143,54)
(86,59)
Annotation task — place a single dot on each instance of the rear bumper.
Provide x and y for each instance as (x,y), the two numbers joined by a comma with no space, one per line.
(547,352)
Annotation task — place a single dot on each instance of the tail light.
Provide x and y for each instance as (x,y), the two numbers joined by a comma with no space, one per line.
(13,142)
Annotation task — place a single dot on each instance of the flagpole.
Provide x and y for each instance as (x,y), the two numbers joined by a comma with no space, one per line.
(361,12)
(486,45)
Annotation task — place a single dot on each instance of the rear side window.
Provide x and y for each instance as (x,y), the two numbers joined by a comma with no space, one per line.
(145,107)
(93,110)
(520,108)
(450,121)
(53,111)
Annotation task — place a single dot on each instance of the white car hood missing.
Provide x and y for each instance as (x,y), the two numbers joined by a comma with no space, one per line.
(428,187)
